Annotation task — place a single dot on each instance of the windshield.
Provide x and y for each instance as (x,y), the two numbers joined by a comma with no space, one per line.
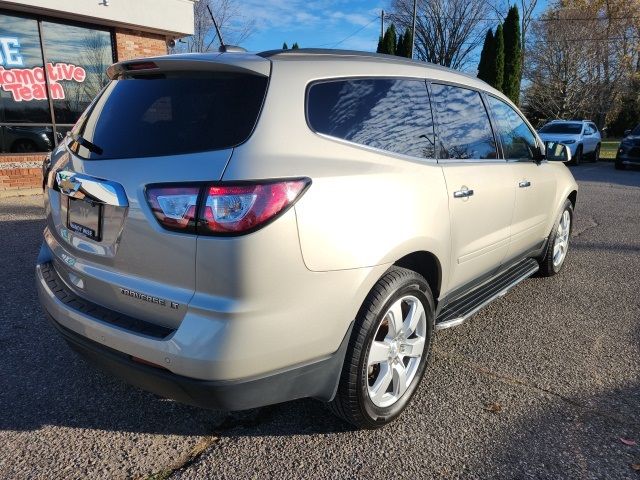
(570,128)
(169,114)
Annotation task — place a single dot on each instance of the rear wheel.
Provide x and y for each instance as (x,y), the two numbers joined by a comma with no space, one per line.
(596,154)
(388,350)
(620,165)
(558,243)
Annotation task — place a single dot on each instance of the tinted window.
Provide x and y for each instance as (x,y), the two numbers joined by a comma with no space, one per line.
(569,128)
(172,113)
(78,58)
(517,140)
(392,115)
(464,131)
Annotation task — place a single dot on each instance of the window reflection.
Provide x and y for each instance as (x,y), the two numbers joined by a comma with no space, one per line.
(463,125)
(79,58)
(393,115)
(517,140)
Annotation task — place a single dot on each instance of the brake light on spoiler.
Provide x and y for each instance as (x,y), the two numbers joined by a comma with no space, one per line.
(223,208)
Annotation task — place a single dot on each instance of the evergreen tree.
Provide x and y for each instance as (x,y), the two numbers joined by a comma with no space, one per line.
(380,44)
(285,46)
(488,50)
(512,56)
(389,41)
(400,46)
(408,42)
(295,46)
(496,61)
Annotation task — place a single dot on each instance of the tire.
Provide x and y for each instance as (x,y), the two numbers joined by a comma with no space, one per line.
(620,165)
(549,266)
(596,154)
(353,401)
(577,160)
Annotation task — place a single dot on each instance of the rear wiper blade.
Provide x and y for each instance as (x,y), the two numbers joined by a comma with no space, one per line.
(92,147)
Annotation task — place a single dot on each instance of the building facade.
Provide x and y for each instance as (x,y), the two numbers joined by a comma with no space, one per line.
(53,59)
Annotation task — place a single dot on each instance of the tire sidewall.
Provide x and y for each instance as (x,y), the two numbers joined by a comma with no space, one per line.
(382,415)
(567,207)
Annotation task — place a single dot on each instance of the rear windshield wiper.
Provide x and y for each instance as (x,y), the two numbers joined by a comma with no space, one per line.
(92,147)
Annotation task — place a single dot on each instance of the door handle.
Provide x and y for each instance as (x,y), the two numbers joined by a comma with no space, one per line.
(463,193)
(524,184)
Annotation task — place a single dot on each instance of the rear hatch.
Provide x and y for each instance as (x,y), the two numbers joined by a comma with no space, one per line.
(160,121)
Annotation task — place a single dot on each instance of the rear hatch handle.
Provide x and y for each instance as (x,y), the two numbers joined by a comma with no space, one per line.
(85,187)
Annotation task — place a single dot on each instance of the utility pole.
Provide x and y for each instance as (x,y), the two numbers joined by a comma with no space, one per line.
(413,28)
(382,23)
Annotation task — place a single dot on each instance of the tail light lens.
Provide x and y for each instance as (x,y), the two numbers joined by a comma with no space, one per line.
(223,209)
(175,208)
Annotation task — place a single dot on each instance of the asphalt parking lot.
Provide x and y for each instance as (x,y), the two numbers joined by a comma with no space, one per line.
(544,383)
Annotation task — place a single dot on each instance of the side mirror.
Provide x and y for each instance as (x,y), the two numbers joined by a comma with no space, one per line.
(627,133)
(557,152)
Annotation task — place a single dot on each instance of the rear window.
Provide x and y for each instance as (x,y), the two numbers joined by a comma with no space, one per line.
(570,128)
(170,114)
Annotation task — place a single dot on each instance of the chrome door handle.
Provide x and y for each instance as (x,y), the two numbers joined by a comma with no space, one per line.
(524,184)
(81,186)
(463,193)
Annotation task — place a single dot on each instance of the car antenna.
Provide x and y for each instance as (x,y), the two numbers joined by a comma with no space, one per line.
(223,47)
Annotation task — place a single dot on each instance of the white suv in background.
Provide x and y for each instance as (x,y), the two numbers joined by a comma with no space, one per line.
(581,136)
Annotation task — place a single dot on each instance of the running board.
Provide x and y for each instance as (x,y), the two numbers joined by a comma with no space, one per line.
(461,309)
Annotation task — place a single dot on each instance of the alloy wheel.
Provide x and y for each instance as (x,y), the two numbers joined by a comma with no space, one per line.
(561,243)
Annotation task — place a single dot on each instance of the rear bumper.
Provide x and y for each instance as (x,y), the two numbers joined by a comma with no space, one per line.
(627,160)
(317,380)
(98,340)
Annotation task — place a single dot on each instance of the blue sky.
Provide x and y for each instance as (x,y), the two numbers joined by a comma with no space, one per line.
(347,24)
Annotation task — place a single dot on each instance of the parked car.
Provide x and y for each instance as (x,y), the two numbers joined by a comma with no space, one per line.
(629,149)
(582,138)
(23,139)
(292,224)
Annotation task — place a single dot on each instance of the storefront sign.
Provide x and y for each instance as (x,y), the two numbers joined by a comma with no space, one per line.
(26,84)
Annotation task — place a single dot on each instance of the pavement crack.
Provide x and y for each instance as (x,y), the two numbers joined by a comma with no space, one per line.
(522,383)
(247,419)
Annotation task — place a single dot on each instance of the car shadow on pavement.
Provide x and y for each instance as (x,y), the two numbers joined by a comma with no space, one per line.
(605,172)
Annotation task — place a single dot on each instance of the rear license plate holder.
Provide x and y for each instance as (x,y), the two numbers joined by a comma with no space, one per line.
(85,218)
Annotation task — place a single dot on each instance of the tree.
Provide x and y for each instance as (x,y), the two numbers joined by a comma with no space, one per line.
(295,46)
(496,61)
(447,31)
(400,47)
(235,28)
(512,56)
(408,42)
(380,44)
(285,46)
(389,41)
(487,52)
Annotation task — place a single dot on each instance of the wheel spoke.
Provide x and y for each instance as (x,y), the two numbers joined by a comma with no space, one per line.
(379,353)
(415,313)
(413,347)
(395,317)
(399,379)
(381,385)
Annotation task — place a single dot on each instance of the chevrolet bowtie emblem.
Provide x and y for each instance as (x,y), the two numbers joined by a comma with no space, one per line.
(67,183)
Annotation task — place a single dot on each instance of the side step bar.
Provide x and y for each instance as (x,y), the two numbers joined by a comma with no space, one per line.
(462,308)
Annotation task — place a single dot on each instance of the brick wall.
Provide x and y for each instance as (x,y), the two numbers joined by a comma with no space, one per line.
(20,174)
(134,44)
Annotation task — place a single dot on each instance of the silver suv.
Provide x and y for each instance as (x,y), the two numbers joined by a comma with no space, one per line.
(236,230)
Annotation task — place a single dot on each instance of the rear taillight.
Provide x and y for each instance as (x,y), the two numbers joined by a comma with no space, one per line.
(223,209)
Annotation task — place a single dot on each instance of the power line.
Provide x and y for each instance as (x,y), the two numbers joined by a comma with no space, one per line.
(350,35)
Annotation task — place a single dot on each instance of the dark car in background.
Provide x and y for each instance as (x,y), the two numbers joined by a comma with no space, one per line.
(629,149)
(21,139)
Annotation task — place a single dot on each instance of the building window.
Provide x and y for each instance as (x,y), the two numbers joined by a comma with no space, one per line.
(41,99)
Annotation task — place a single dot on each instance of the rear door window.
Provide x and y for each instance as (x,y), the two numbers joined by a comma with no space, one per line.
(464,130)
(518,142)
(388,114)
(171,114)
